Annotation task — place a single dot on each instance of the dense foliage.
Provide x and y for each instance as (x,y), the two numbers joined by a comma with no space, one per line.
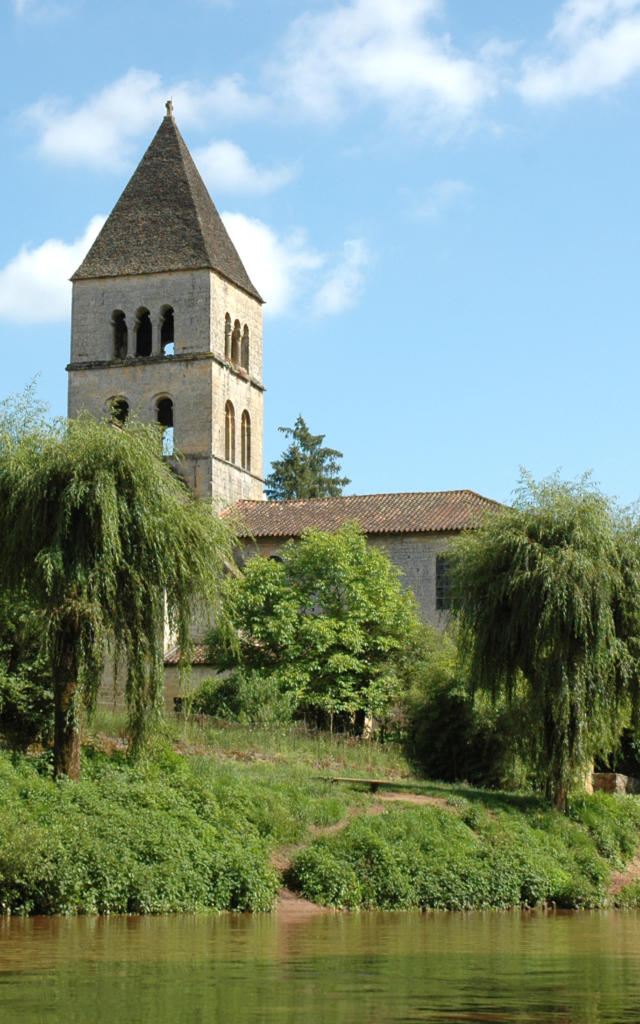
(329,623)
(306,469)
(26,687)
(547,594)
(467,856)
(108,544)
(171,835)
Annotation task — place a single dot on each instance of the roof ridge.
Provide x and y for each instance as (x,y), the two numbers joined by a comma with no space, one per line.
(373,494)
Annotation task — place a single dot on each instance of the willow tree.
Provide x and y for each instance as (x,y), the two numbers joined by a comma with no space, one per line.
(547,594)
(110,545)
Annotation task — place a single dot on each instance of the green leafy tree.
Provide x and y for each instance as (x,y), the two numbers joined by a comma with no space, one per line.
(329,621)
(306,469)
(26,690)
(548,596)
(108,544)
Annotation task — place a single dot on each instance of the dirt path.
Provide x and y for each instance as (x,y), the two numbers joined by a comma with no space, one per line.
(291,907)
(621,878)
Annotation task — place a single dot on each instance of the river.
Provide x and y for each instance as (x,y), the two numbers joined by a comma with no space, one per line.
(373,968)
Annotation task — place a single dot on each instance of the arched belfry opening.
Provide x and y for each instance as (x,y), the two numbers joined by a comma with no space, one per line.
(164,415)
(229,433)
(227,337)
(235,343)
(120,334)
(143,332)
(245,441)
(244,349)
(166,330)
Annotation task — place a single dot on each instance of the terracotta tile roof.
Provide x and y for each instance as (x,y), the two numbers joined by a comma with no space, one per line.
(414,512)
(199,656)
(164,220)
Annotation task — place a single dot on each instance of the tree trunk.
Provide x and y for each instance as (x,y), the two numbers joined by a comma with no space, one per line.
(66,739)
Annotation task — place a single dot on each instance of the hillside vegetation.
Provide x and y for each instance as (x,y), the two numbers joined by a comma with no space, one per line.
(201,824)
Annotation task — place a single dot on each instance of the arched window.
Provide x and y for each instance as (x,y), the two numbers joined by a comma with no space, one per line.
(143,332)
(235,343)
(229,433)
(244,349)
(119,410)
(164,414)
(166,330)
(227,337)
(245,441)
(120,334)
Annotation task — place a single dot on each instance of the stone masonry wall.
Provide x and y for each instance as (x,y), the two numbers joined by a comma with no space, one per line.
(197,377)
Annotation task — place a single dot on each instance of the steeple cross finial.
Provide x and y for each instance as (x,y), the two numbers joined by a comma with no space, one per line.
(169,106)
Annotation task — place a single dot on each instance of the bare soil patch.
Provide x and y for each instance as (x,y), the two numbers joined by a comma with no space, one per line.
(421,799)
(621,878)
(291,908)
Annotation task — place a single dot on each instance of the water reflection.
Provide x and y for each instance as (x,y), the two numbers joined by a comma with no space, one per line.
(578,968)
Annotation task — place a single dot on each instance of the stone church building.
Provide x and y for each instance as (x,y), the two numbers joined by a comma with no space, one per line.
(167,325)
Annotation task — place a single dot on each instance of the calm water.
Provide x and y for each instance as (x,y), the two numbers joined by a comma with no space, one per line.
(569,968)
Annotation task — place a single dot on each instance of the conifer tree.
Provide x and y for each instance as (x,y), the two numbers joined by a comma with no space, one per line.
(306,469)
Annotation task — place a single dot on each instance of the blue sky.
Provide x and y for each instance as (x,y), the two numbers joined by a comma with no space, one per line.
(438,199)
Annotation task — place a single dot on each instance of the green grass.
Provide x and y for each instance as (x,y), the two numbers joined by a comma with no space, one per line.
(288,744)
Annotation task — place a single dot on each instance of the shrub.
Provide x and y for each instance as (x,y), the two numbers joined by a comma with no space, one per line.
(26,710)
(244,697)
(476,858)
(629,896)
(452,736)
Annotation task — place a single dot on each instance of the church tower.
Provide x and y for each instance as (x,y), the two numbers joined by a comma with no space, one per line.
(167,326)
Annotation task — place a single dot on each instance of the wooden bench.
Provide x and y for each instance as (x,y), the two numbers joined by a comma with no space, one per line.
(372,783)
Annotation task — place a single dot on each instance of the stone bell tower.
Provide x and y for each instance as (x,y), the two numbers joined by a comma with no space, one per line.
(167,326)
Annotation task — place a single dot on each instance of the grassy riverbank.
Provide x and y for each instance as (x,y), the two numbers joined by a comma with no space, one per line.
(219,817)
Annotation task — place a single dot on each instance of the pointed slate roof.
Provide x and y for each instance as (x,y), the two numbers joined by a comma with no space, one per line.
(165,220)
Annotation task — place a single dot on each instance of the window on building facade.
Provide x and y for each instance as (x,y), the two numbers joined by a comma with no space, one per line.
(120,334)
(245,441)
(244,349)
(443,585)
(229,433)
(143,332)
(227,337)
(235,343)
(166,331)
(119,410)
(164,415)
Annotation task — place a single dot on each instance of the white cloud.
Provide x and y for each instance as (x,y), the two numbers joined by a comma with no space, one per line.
(344,283)
(34,285)
(597,46)
(279,266)
(577,17)
(101,132)
(39,9)
(378,50)
(440,197)
(227,168)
